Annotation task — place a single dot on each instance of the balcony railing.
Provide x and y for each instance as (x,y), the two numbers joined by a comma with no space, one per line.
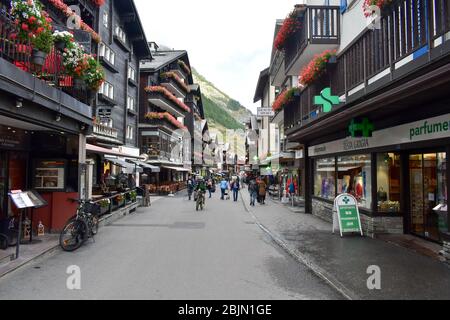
(19,53)
(409,31)
(105,131)
(318,25)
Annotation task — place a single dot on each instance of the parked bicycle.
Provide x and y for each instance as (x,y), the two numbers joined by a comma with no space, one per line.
(80,228)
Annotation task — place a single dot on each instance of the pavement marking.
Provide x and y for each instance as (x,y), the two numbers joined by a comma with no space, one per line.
(336,284)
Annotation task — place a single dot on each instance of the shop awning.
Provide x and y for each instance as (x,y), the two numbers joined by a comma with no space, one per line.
(179,169)
(145,165)
(130,167)
(99,150)
(282,155)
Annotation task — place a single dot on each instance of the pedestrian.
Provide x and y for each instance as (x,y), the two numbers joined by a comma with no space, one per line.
(190,186)
(262,187)
(253,190)
(224,187)
(210,187)
(236,187)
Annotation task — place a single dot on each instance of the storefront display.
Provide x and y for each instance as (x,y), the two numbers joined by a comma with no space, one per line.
(354,177)
(388,182)
(325,178)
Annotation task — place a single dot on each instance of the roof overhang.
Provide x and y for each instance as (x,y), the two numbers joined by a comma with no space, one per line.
(263,81)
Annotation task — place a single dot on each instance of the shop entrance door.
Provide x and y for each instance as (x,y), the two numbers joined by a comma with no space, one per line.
(427,189)
(3,185)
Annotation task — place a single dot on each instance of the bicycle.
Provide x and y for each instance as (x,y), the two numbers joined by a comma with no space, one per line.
(200,200)
(80,228)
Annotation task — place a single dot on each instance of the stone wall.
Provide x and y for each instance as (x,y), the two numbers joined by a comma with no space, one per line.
(371,225)
(447,251)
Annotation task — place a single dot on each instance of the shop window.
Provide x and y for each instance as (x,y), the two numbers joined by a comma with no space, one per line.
(354,177)
(325,178)
(388,182)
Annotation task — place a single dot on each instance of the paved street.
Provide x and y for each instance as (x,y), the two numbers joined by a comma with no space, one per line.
(170,251)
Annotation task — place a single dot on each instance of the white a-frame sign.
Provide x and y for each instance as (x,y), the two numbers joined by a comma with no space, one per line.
(346,215)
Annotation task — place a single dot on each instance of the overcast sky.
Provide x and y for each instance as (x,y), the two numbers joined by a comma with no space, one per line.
(229,42)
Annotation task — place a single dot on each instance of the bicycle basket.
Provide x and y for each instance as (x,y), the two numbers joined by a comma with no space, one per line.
(91,208)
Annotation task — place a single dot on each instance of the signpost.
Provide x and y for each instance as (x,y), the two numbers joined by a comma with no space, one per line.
(265,112)
(346,215)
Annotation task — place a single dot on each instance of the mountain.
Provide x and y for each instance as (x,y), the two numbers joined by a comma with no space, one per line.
(221,111)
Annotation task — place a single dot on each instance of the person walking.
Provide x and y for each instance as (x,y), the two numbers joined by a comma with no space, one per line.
(236,187)
(210,187)
(190,186)
(262,188)
(253,190)
(224,187)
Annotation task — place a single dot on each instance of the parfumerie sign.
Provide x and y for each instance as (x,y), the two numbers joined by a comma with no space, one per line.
(429,129)
(265,112)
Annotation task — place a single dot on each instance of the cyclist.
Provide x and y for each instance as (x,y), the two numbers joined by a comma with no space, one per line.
(201,190)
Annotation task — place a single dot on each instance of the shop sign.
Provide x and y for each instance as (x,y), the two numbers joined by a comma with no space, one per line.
(326,100)
(346,215)
(265,112)
(364,128)
(299,154)
(424,130)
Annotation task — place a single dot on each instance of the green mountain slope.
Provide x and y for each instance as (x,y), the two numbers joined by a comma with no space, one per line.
(221,111)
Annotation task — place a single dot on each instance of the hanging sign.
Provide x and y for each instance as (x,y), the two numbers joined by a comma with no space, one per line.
(346,215)
(265,112)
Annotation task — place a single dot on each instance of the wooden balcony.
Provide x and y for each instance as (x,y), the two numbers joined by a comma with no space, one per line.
(52,72)
(414,36)
(319,30)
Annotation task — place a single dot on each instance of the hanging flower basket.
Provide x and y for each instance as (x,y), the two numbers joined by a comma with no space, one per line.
(317,67)
(38,57)
(285,98)
(368,6)
(289,27)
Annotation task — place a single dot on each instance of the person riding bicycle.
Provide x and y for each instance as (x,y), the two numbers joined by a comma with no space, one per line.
(201,191)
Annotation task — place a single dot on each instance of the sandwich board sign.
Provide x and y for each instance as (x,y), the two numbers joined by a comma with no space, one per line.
(346,215)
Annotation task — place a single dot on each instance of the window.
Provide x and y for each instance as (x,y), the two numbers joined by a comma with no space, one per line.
(105,19)
(106,53)
(131,103)
(130,133)
(388,182)
(121,34)
(131,73)
(107,89)
(354,177)
(107,122)
(325,178)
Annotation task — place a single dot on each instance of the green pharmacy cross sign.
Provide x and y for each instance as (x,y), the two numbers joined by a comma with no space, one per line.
(326,100)
(361,129)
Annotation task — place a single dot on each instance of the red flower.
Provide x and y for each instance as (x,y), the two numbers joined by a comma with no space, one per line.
(25,27)
(289,27)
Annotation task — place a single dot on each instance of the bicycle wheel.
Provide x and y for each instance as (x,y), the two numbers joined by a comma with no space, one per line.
(73,235)
(94,225)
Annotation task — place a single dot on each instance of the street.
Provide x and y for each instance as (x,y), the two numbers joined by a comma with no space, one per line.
(170,251)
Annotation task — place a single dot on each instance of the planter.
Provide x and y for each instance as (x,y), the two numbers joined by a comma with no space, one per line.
(38,57)
(60,45)
(79,83)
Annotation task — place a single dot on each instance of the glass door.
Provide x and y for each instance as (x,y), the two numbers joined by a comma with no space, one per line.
(427,190)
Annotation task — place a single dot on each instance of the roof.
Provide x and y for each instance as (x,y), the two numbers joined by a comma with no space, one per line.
(162,59)
(134,28)
(263,80)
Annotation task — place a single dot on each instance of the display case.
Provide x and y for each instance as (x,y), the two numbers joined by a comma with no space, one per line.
(50,175)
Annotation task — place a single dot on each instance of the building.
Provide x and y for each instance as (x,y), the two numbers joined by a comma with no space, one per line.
(44,121)
(123,45)
(374,119)
(171,116)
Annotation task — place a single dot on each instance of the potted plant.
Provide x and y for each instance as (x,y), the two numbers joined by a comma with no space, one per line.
(285,98)
(93,74)
(289,27)
(62,40)
(369,5)
(34,25)
(316,67)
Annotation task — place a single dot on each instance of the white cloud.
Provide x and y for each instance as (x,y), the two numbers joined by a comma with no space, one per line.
(229,42)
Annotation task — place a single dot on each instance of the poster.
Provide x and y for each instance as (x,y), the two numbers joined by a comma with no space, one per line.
(50,175)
